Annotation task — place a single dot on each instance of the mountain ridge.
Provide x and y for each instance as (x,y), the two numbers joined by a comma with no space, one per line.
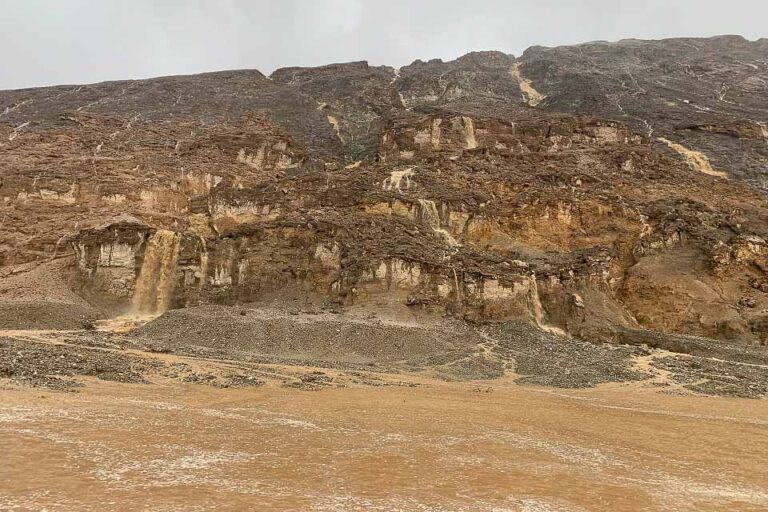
(759,41)
(586,190)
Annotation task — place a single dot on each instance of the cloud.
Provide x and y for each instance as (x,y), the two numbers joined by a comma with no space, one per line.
(80,41)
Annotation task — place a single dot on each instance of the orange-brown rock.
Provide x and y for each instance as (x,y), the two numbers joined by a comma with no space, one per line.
(470,188)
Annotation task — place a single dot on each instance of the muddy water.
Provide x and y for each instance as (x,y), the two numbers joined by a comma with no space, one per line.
(154,286)
(439,446)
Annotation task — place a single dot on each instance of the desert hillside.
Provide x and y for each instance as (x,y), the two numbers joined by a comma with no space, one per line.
(587,190)
(499,283)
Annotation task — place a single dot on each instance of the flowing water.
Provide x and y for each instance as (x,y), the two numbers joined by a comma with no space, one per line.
(469,132)
(154,287)
(431,217)
(537,311)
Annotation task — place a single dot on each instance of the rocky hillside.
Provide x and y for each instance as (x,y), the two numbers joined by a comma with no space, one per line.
(591,190)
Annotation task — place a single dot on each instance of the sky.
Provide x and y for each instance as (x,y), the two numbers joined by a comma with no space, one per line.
(47,42)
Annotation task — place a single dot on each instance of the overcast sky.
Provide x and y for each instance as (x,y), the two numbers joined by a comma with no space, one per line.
(47,42)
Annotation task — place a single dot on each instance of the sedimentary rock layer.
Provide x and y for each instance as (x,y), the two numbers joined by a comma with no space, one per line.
(585,189)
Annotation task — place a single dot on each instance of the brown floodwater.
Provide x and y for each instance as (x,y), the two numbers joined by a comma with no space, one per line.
(438,446)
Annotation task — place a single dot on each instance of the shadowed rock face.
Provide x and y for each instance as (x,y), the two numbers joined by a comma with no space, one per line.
(583,189)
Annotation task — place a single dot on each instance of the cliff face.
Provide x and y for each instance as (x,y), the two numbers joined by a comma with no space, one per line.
(584,189)
(706,98)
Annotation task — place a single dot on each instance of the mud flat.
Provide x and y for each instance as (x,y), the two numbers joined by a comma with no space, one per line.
(430,445)
(236,408)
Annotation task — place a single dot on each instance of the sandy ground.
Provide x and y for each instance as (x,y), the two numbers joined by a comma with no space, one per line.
(174,417)
(474,446)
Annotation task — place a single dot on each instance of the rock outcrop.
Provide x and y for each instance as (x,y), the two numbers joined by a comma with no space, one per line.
(583,189)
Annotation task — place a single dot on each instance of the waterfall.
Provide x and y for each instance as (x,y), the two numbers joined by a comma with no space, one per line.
(203,264)
(469,132)
(154,287)
(537,311)
(429,215)
(534,302)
